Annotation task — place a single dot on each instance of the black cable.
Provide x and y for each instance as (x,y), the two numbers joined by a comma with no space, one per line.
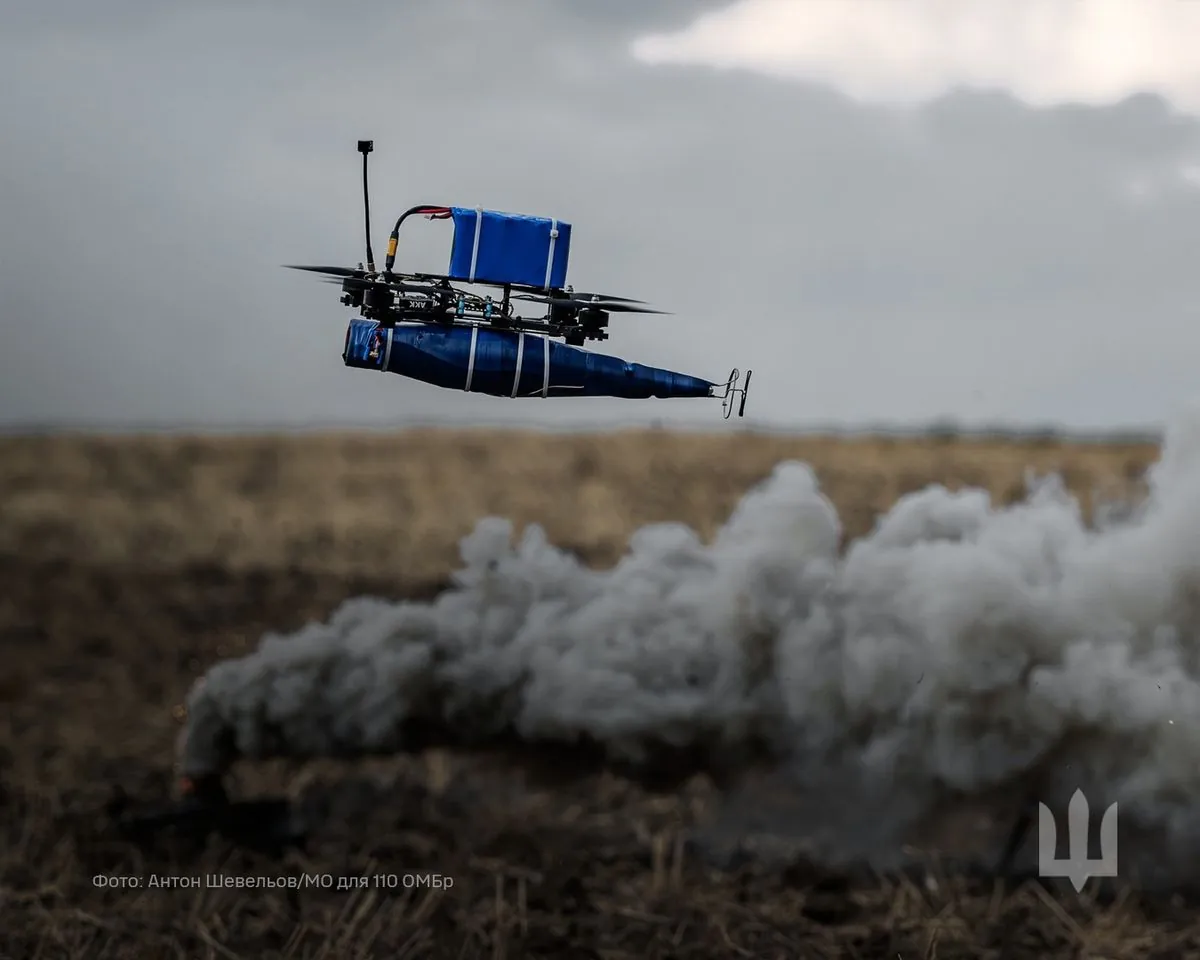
(367,212)
(426,208)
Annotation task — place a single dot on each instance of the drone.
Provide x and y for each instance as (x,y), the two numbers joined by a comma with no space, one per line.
(428,327)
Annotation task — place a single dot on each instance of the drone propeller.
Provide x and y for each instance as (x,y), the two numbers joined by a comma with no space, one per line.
(623,308)
(574,295)
(366,283)
(357,278)
(541,291)
(607,306)
(331,271)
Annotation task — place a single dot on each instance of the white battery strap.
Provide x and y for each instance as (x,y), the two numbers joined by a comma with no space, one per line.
(550,255)
(387,353)
(475,249)
(471,358)
(520,358)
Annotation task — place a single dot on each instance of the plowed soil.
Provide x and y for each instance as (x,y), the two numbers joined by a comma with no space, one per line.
(127,566)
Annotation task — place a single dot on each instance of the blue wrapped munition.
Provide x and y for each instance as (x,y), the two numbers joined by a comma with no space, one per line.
(502,363)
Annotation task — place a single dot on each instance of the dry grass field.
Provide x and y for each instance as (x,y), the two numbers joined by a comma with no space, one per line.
(130,565)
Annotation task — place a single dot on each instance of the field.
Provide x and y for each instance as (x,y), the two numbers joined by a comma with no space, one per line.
(130,565)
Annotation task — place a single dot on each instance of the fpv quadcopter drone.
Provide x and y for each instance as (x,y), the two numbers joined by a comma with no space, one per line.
(428,328)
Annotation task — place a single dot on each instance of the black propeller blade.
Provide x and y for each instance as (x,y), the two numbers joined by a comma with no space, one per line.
(574,295)
(541,291)
(604,305)
(623,308)
(364,283)
(564,301)
(330,271)
(358,278)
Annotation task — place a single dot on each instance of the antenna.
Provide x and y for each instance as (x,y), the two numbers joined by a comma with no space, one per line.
(365,147)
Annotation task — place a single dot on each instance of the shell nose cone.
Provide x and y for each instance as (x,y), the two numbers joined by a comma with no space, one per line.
(668,383)
(687,385)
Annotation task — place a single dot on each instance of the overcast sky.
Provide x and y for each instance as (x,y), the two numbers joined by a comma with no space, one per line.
(892,211)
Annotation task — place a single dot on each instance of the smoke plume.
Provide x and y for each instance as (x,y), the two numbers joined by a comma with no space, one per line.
(961,648)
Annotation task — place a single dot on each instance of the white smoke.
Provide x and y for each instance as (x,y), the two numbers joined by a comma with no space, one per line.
(960,647)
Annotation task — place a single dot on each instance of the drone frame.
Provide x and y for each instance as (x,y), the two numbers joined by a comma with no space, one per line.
(389,297)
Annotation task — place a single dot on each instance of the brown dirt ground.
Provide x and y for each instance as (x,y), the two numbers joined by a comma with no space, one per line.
(130,565)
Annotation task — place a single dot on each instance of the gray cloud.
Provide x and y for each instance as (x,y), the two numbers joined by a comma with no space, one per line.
(974,257)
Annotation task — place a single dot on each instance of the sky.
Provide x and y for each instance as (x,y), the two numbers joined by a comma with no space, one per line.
(892,211)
